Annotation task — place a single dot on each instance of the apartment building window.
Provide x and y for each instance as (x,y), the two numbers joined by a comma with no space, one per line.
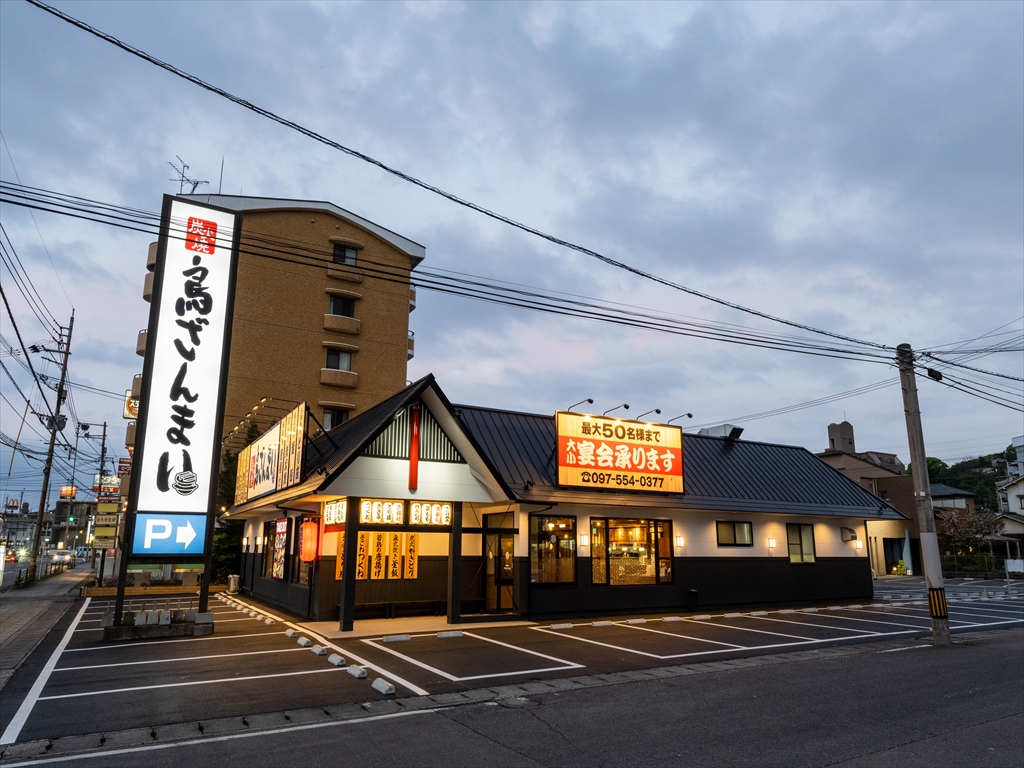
(342,306)
(801,543)
(344,255)
(339,360)
(552,550)
(333,417)
(731,534)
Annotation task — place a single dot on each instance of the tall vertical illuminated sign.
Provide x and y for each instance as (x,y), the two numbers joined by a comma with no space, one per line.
(185,375)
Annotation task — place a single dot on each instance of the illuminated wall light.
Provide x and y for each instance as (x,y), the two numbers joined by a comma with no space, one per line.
(771,542)
(584,540)
(259,542)
(859,544)
(680,541)
(245,542)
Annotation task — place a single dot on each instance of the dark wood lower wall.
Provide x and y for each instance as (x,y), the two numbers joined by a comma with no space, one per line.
(716,582)
(420,594)
(702,583)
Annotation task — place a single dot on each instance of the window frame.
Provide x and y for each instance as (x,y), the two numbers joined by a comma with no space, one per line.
(342,354)
(347,302)
(733,523)
(534,539)
(803,555)
(334,412)
(604,523)
(345,254)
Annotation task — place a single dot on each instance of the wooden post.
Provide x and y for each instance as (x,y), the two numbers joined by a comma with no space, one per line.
(455,565)
(347,612)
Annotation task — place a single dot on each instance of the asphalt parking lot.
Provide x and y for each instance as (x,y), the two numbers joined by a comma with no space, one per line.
(254,663)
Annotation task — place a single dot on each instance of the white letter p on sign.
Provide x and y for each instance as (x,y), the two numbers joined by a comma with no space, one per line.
(156,529)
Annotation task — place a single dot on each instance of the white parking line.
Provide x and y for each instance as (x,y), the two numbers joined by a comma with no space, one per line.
(190,683)
(563,663)
(178,640)
(328,644)
(184,658)
(570,636)
(746,629)
(688,637)
(819,626)
(13,729)
(212,739)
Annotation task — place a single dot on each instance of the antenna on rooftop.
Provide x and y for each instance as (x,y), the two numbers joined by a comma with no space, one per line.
(183,178)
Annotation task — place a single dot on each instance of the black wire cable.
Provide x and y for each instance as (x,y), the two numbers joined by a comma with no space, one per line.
(430,188)
(425,281)
(28,360)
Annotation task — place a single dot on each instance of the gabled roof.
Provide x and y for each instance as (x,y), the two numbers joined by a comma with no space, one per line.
(718,474)
(941,489)
(328,455)
(240,203)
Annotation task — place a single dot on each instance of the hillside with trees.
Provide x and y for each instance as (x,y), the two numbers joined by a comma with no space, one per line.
(978,475)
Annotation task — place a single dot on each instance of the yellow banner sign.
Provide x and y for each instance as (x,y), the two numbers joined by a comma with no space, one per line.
(599,452)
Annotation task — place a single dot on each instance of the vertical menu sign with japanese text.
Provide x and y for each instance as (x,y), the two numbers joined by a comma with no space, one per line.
(186,368)
(598,452)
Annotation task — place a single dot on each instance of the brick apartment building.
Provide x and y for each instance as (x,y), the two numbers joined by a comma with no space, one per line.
(321,313)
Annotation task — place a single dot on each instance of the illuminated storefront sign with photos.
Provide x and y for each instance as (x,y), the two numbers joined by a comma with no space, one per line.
(274,461)
(599,452)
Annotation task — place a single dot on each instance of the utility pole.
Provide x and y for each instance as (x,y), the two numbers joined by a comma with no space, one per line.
(103,552)
(923,499)
(54,428)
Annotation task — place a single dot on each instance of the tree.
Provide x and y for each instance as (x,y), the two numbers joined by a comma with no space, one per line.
(964,530)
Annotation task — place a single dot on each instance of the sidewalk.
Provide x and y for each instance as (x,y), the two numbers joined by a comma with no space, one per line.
(26,615)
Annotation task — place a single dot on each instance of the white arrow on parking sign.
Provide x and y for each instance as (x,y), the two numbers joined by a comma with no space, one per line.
(185,534)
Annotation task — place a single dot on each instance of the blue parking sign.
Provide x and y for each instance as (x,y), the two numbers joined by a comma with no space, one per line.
(169,534)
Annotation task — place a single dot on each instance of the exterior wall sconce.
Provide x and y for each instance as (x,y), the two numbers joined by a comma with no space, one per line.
(259,542)
(245,542)
(584,539)
(859,544)
(680,541)
(771,542)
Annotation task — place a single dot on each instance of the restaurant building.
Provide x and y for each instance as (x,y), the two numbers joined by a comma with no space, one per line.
(469,511)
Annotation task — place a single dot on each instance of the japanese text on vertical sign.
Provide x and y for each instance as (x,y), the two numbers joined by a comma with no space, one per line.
(594,451)
(185,354)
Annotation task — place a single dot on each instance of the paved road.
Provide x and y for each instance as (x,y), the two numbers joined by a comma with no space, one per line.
(887,703)
(251,671)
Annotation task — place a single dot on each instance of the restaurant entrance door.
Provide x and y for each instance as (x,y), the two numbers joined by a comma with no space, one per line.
(498,572)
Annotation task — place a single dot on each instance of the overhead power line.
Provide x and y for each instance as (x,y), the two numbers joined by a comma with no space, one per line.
(467,286)
(431,188)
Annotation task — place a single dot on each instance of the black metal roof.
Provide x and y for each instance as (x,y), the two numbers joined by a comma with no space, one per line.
(942,490)
(718,473)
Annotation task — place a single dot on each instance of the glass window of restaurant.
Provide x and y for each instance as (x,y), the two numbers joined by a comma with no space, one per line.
(732,534)
(268,548)
(625,552)
(801,543)
(552,550)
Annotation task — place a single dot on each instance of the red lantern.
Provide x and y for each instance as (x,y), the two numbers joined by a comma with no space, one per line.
(308,533)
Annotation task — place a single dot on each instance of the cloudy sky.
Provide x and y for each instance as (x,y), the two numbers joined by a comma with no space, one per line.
(858,167)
